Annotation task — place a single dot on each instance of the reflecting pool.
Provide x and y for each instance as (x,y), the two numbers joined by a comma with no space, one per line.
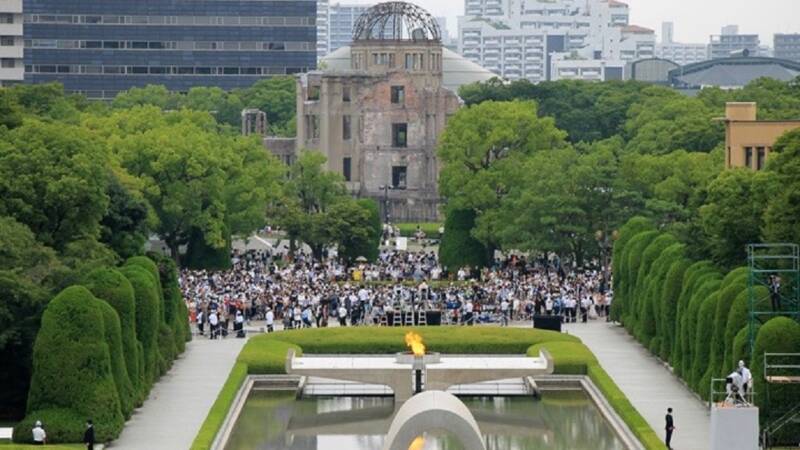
(275,420)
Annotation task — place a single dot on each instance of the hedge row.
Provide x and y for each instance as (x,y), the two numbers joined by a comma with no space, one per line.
(100,348)
(266,354)
(690,314)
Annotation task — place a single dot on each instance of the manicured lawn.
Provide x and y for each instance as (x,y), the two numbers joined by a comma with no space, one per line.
(431,229)
(266,354)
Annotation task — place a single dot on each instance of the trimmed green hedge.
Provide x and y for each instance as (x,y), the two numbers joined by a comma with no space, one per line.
(686,312)
(266,354)
(112,287)
(147,321)
(122,381)
(72,372)
(176,313)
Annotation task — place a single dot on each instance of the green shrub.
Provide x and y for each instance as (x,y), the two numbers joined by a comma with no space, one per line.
(778,335)
(127,394)
(668,251)
(701,376)
(166,348)
(741,347)
(673,284)
(147,320)
(650,254)
(635,247)
(733,284)
(708,284)
(72,371)
(111,286)
(737,318)
(619,260)
(152,268)
(175,313)
(690,277)
(458,247)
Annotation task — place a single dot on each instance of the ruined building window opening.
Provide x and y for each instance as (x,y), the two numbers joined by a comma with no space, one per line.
(400,135)
(399,95)
(346,128)
(748,157)
(312,126)
(345,93)
(399,176)
(313,92)
(347,167)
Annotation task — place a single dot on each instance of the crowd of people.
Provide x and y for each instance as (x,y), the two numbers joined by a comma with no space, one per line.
(262,286)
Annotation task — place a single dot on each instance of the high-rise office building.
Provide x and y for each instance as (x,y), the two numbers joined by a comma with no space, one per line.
(101,48)
(679,52)
(12,69)
(730,42)
(341,19)
(787,46)
(575,39)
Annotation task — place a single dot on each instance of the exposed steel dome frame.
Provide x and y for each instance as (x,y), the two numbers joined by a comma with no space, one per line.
(396,21)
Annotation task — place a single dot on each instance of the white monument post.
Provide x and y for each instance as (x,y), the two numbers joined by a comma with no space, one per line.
(734,428)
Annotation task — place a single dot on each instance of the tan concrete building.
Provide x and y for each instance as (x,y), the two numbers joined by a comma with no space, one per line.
(748,141)
(379,120)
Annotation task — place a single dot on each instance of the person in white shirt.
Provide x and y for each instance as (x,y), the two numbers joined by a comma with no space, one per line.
(504,313)
(747,377)
(342,316)
(39,435)
(270,316)
(213,322)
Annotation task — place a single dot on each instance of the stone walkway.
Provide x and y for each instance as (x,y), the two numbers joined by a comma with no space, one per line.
(650,386)
(180,401)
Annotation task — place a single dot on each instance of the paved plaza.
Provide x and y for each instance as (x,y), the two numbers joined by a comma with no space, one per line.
(647,383)
(180,401)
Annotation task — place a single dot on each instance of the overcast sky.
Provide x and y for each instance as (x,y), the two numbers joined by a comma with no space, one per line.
(695,20)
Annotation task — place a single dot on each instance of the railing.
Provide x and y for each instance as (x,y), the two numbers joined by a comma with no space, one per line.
(719,395)
(782,368)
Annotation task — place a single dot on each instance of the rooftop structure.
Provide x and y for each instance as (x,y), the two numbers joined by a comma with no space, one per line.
(732,73)
(749,141)
(787,46)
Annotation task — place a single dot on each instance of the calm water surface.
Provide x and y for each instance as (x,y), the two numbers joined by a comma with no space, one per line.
(561,420)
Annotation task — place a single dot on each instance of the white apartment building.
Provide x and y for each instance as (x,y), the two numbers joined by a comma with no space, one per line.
(682,54)
(551,40)
(12,68)
(322,29)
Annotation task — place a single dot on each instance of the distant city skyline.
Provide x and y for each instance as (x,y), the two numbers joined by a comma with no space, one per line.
(694,20)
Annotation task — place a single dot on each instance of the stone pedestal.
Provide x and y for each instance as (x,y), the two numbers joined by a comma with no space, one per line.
(734,428)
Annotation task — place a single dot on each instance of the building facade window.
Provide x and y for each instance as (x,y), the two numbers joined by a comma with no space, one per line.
(313,93)
(399,174)
(346,94)
(7,63)
(761,156)
(347,169)
(7,41)
(6,18)
(398,95)
(399,135)
(748,157)
(346,133)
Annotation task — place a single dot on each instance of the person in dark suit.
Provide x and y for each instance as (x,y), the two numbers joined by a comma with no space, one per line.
(670,427)
(88,435)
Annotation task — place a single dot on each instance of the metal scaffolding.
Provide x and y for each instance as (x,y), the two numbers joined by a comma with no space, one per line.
(775,267)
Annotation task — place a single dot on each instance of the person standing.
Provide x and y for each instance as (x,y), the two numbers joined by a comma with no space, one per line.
(270,318)
(39,436)
(88,435)
(775,292)
(669,428)
(747,378)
